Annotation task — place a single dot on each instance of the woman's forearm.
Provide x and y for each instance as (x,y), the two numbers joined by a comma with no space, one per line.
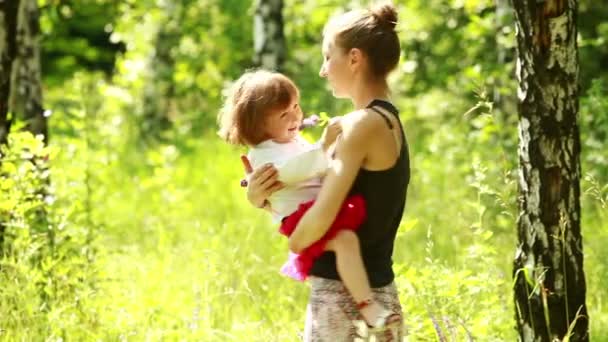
(310,229)
(350,153)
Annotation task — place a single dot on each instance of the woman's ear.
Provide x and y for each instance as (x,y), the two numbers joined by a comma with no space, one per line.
(355,58)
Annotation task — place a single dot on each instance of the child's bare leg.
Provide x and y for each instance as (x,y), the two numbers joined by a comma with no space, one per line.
(352,271)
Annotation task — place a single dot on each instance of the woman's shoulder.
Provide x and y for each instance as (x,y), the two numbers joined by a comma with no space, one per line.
(361,123)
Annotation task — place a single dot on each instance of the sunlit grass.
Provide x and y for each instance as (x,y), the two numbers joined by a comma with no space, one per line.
(182,256)
(190,258)
(200,263)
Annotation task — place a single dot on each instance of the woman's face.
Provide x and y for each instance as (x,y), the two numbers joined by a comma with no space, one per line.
(336,68)
(282,124)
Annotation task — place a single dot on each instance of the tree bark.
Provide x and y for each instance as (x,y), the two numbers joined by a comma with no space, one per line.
(8,52)
(159,89)
(269,39)
(549,290)
(26,94)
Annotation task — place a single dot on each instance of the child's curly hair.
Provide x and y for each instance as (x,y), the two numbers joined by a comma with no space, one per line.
(248,102)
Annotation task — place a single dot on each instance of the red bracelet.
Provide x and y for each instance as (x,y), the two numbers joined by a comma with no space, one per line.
(364,303)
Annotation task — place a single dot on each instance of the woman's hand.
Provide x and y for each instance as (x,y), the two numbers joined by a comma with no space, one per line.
(331,133)
(262,182)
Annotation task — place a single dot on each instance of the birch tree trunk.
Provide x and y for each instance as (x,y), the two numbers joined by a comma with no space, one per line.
(8,51)
(549,289)
(26,89)
(159,89)
(268,37)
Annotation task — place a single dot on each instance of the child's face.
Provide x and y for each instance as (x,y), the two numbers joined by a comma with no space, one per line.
(282,124)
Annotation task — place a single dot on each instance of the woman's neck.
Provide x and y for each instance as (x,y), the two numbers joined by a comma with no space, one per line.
(365,92)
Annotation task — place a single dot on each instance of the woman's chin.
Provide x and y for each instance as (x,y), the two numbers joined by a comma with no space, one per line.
(338,94)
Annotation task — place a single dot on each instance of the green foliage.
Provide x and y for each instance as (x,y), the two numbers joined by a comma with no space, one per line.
(594,201)
(24,183)
(463,302)
(75,37)
(594,129)
(45,252)
(113,238)
(210,52)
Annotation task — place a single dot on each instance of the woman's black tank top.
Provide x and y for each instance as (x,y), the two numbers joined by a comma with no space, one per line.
(384,192)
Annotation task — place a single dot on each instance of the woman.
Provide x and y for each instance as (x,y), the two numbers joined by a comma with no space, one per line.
(360,48)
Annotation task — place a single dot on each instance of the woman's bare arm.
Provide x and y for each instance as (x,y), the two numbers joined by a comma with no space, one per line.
(351,151)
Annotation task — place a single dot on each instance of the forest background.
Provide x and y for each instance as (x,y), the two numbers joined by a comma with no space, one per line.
(146,233)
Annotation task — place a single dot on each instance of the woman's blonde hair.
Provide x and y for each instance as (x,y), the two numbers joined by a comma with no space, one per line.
(249,101)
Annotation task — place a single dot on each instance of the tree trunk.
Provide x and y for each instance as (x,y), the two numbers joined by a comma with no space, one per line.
(26,94)
(159,89)
(268,37)
(8,51)
(549,289)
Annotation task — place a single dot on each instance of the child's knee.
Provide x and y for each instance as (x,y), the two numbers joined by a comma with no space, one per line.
(346,239)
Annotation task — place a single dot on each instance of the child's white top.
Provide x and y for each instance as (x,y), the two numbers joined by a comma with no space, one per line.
(301,166)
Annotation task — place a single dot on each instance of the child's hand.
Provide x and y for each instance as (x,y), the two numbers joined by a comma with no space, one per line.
(331,133)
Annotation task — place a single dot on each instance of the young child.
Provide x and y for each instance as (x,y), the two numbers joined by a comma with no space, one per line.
(262,111)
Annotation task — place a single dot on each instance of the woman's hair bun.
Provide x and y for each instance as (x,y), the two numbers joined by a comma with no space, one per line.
(386,14)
